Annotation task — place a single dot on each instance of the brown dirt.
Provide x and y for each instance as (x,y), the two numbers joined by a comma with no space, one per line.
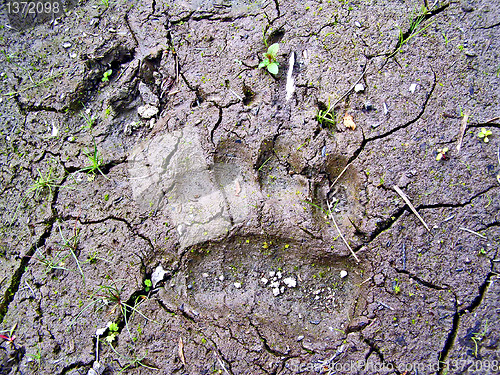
(227,188)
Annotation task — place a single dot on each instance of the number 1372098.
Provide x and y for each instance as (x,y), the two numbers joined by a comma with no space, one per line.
(25,8)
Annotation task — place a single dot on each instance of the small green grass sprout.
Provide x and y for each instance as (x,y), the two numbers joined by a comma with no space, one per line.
(484,134)
(442,153)
(95,163)
(106,74)
(270,59)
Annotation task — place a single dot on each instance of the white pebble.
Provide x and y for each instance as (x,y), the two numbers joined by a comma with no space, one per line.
(413,87)
(278,274)
(147,111)
(275,284)
(221,277)
(264,281)
(357,24)
(276,291)
(67,45)
(359,87)
(343,274)
(237,285)
(290,282)
(204,274)
(272,273)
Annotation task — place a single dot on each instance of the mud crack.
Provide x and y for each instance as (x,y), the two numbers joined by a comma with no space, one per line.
(456,321)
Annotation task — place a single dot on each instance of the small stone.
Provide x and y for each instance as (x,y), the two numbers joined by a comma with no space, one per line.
(221,277)
(147,111)
(282,289)
(413,87)
(100,331)
(275,284)
(73,55)
(276,292)
(386,109)
(300,338)
(237,285)
(66,45)
(272,273)
(157,275)
(315,322)
(343,274)
(357,24)
(470,53)
(264,281)
(278,275)
(359,87)
(55,131)
(204,275)
(316,298)
(290,282)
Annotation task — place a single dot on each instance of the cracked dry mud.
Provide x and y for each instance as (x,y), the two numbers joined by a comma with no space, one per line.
(224,189)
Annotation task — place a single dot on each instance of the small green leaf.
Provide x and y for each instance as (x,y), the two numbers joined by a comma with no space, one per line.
(273,68)
(113,327)
(264,63)
(273,49)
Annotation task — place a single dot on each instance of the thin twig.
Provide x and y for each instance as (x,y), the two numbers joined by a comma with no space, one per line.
(221,363)
(407,201)
(330,216)
(387,306)
(352,88)
(340,175)
(493,119)
(465,119)
(471,231)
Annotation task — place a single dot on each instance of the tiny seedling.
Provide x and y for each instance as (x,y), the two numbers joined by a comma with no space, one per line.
(477,337)
(416,27)
(132,361)
(484,134)
(442,153)
(95,163)
(148,285)
(72,244)
(89,119)
(36,356)
(111,295)
(113,332)
(395,286)
(325,118)
(10,337)
(51,263)
(106,74)
(269,61)
(43,182)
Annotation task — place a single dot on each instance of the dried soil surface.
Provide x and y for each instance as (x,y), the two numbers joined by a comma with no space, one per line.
(153,177)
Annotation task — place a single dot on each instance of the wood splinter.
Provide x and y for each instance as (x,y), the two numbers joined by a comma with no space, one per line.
(407,201)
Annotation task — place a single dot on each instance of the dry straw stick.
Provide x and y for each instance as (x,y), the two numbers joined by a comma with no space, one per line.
(407,201)
(465,119)
(330,216)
